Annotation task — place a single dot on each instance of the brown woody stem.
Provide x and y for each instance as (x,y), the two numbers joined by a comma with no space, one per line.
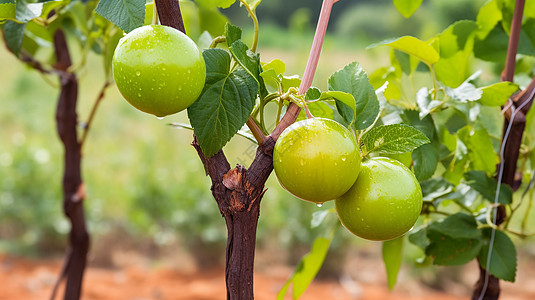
(73,188)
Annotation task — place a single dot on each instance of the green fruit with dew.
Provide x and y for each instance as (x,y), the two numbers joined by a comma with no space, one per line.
(316,159)
(158,69)
(384,203)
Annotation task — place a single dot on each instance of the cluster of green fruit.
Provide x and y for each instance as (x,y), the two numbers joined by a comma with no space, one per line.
(315,159)
(319,160)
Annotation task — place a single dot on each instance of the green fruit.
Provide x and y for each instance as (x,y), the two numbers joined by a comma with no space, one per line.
(316,159)
(384,203)
(159,70)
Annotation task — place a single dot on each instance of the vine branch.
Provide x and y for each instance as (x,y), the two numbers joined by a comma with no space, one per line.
(512,48)
(169,14)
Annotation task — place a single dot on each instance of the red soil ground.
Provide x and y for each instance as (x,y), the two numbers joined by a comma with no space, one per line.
(28,279)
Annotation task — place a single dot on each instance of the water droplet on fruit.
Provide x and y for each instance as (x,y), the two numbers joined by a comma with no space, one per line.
(138,73)
(319,204)
(159,118)
(179,88)
(343,159)
(139,94)
(189,71)
(302,162)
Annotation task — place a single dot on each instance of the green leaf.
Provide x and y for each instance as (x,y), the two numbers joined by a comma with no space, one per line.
(307,269)
(493,47)
(13,34)
(392,255)
(247,59)
(232,33)
(225,103)
(454,240)
(415,47)
(127,14)
(407,7)
(455,45)
(425,125)
(425,103)
(419,238)
(28,11)
(464,93)
(478,143)
(497,94)
(317,109)
(487,186)
(353,80)
(8,10)
(392,139)
(459,225)
(435,188)
(425,160)
(503,255)
(313,93)
(341,98)
(488,17)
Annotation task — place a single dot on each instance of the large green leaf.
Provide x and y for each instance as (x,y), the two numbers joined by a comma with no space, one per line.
(392,255)
(497,94)
(392,139)
(502,255)
(307,269)
(127,14)
(487,186)
(454,240)
(415,47)
(225,104)
(352,79)
(407,7)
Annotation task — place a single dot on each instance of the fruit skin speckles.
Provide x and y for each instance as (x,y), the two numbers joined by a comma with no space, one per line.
(384,203)
(159,70)
(316,159)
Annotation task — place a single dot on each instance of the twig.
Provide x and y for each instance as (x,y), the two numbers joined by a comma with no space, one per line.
(93,111)
(256,131)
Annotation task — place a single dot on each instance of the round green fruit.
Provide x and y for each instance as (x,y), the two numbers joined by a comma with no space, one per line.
(316,159)
(384,203)
(158,69)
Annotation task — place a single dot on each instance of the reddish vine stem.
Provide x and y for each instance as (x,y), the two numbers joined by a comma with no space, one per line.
(512,48)
(73,188)
(169,14)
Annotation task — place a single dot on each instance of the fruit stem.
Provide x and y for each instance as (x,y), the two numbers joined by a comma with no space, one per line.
(253,16)
(154,13)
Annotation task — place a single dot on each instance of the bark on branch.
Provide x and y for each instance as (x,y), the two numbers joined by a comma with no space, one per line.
(73,188)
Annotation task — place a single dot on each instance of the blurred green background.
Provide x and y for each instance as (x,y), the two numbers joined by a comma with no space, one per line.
(146,186)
